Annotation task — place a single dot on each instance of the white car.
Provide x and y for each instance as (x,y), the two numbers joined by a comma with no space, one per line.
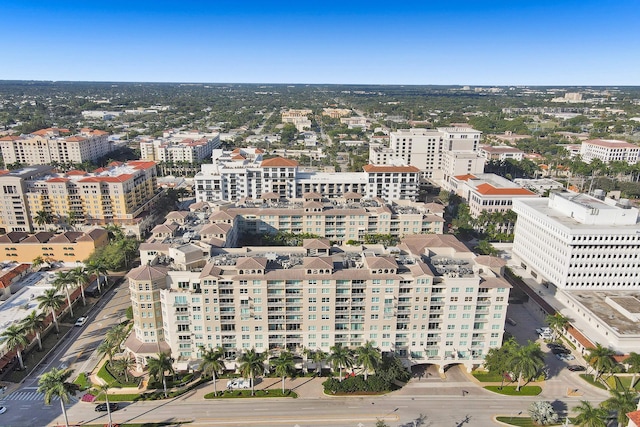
(3,409)
(81,321)
(239,383)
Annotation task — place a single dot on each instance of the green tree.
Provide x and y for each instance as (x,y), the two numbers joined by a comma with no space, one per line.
(15,338)
(124,365)
(104,389)
(107,349)
(251,365)
(498,359)
(542,413)
(527,361)
(81,278)
(340,358)
(34,323)
(589,415)
(557,323)
(99,269)
(36,263)
(63,280)
(601,359)
(43,217)
(51,300)
(158,367)
(319,356)
(368,357)
(621,402)
(284,366)
(212,364)
(54,384)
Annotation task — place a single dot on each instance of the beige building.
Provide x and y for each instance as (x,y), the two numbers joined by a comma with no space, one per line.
(430,301)
(48,146)
(183,146)
(299,118)
(70,246)
(336,113)
(124,194)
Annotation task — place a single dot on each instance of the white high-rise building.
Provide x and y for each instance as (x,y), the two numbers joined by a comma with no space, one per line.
(609,150)
(187,147)
(438,153)
(579,242)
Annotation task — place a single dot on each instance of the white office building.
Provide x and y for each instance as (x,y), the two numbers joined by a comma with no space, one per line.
(579,242)
(609,150)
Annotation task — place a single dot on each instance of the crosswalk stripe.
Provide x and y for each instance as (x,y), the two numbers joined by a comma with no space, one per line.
(31,395)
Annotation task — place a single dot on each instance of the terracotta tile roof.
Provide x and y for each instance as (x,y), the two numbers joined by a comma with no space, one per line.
(579,337)
(58,179)
(13,237)
(41,237)
(320,243)
(634,417)
(120,178)
(92,235)
(278,162)
(389,169)
(4,172)
(490,190)
(318,262)
(76,139)
(251,263)
(307,196)
(147,272)
(9,276)
(9,138)
(66,237)
(270,196)
(76,172)
(141,164)
(466,177)
(380,262)
(610,143)
(351,195)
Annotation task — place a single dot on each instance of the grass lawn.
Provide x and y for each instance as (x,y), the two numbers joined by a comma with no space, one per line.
(622,383)
(520,421)
(487,377)
(82,381)
(510,390)
(118,397)
(107,376)
(589,378)
(233,394)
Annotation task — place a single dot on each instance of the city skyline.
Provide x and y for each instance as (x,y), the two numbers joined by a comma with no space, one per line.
(463,42)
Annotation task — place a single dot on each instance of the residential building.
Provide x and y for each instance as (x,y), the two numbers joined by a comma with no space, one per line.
(298,117)
(336,113)
(124,194)
(238,176)
(487,192)
(355,122)
(438,153)
(500,153)
(70,246)
(430,301)
(190,147)
(577,241)
(47,146)
(609,150)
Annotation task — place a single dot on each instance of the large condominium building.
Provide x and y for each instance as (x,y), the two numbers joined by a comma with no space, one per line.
(579,242)
(239,176)
(432,301)
(187,147)
(438,153)
(609,150)
(48,146)
(487,192)
(299,118)
(121,193)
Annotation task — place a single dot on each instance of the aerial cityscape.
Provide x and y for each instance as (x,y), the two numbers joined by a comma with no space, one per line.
(248,214)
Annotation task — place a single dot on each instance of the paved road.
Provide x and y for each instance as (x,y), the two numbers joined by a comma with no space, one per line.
(25,407)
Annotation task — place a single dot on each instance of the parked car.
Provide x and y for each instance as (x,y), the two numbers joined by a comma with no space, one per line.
(102,407)
(545,331)
(576,368)
(81,321)
(511,321)
(3,409)
(560,350)
(239,383)
(552,345)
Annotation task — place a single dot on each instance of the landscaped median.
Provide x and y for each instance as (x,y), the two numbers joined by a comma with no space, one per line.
(233,394)
(521,421)
(511,390)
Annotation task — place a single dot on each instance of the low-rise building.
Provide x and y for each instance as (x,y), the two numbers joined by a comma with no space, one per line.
(500,153)
(609,150)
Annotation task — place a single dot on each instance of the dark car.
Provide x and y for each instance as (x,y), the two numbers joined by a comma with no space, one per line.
(560,350)
(102,407)
(576,368)
(552,345)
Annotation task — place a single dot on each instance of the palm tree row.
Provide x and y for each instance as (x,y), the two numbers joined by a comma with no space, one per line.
(621,402)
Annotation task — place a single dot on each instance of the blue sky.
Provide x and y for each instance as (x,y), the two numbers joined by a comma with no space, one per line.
(517,42)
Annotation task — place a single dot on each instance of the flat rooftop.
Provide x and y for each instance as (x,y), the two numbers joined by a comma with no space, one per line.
(23,302)
(595,301)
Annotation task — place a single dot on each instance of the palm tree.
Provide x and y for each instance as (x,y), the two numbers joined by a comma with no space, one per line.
(307,353)
(557,323)
(601,358)
(104,388)
(15,338)
(621,402)
(340,358)
(99,269)
(43,217)
(212,364)
(124,365)
(81,278)
(527,361)
(633,363)
(54,384)
(589,415)
(36,263)
(159,366)
(284,366)
(34,322)
(107,348)
(251,364)
(368,357)
(51,300)
(116,335)
(319,356)
(62,281)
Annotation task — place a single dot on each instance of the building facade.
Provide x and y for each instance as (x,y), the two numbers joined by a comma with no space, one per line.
(70,246)
(183,146)
(609,150)
(48,146)
(579,242)
(432,301)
